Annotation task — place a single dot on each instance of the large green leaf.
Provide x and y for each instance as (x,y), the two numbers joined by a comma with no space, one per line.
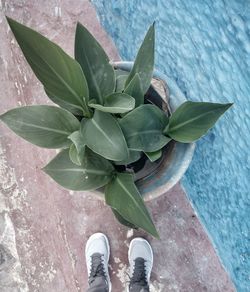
(43,125)
(122,195)
(144,62)
(61,76)
(115,103)
(94,171)
(143,128)
(104,136)
(99,73)
(134,89)
(122,220)
(193,119)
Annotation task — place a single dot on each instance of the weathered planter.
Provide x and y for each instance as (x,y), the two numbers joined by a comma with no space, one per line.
(157,178)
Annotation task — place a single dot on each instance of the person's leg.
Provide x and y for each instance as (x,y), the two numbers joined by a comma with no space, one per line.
(141,262)
(97,253)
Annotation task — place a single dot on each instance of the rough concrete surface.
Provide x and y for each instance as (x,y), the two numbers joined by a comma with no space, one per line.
(43,228)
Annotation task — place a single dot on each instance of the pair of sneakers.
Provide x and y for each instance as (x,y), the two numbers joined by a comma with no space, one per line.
(97,254)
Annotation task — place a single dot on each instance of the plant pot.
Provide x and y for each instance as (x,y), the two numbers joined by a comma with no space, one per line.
(156,178)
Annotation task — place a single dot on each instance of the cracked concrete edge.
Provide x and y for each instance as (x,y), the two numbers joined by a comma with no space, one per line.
(11,276)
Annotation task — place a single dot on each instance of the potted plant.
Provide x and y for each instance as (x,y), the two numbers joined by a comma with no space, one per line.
(106,122)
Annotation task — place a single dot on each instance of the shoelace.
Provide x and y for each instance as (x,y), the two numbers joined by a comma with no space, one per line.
(97,267)
(139,276)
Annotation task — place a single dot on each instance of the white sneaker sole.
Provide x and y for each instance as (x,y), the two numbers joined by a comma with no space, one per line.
(96,236)
(150,248)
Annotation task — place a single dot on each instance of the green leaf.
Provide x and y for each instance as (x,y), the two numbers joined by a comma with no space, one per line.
(120,77)
(43,125)
(120,83)
(165,131)
(122,195)
(132,157)
(193,119)
(122,220)
(143,128)
(99,73)
(144,62)
(61,76)
(120,72)
(79,142)
(73,155)
(115,103)
(94,171)
(153,156)
(104,136)
(76,110)
(134,89)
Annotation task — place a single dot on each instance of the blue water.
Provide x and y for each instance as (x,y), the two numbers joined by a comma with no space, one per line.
(205,47)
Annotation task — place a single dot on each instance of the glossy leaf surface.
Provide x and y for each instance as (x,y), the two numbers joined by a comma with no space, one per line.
(134,89)
(132,157)
(73,155)
(153,156)
(61,76)
(104,136)
(120,83)
(193,119)
(43,125)
(120,77)
(115,103)
(122,220)
(122,195)
(67,105)
(143,128)
(94,171)
(144,62)
(78,141)
(94,61)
